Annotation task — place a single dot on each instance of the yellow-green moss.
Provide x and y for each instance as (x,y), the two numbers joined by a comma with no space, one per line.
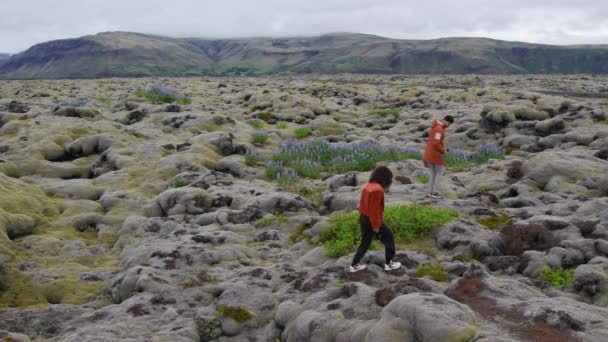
(237,313)
(434,271)
(495,222)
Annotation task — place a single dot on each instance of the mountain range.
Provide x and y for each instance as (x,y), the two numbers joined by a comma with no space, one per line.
(4,58)
(126,54)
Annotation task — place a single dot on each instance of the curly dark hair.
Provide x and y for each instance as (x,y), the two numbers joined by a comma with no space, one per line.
(383,176)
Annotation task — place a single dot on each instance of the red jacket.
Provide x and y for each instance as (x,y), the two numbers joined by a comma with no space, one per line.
(372,204)
(435,147)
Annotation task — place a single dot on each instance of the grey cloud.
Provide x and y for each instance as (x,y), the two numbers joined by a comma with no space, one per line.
(557,22)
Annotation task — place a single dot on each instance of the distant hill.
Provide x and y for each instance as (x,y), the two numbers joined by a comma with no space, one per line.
(114,54)
(4,58)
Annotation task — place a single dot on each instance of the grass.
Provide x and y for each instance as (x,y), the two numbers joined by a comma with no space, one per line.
(603,122)
(422,178)
(256,123)
(407,222)
(259,138)
(385,112)
(281,124)
(251,160)
(302,132)
(558,276)
(434,271)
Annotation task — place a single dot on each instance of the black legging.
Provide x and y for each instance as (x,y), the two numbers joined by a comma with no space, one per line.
(367,234)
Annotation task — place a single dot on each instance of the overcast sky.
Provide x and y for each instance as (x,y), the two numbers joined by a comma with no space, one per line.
(27,22)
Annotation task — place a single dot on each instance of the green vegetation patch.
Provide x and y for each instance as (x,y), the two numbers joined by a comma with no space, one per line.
(160,94)
(434,271)
(302,132)
(259,137)
(275,218)
(407,222)
(495,222)
(558,276)
(237,313)
(385,112)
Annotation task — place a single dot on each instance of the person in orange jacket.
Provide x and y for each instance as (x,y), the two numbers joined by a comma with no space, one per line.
(371,219)
(433,154)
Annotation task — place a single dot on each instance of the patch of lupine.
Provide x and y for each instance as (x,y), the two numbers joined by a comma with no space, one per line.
(160,94)
(489,151)
(461,158)
(286,177)
(310,159)
(457,158)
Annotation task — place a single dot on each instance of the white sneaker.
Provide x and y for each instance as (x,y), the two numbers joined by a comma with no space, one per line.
(393,265)
(436,195)
(357,267)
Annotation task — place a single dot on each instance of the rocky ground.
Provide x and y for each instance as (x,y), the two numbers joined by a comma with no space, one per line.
(126,220)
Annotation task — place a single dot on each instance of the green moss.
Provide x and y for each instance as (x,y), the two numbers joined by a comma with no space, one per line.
(281,124)
(299,235)
(266,117)
(276,217)
(209,329)
(434,271)
(385,112)
(237,313)
(558,276)
(23,291)
(180,183)
(495,222)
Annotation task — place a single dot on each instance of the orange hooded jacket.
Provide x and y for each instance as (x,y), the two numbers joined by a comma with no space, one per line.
(371,204)
(435,147)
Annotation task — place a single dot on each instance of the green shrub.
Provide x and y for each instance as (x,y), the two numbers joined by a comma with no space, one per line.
(256,123)
(281,124)
(434,271)
(558,276)
(385,112)
(235,312)
(302,132)
(407,222)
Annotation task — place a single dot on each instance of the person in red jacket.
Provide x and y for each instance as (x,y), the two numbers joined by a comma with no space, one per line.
(371,219)
(433,154)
